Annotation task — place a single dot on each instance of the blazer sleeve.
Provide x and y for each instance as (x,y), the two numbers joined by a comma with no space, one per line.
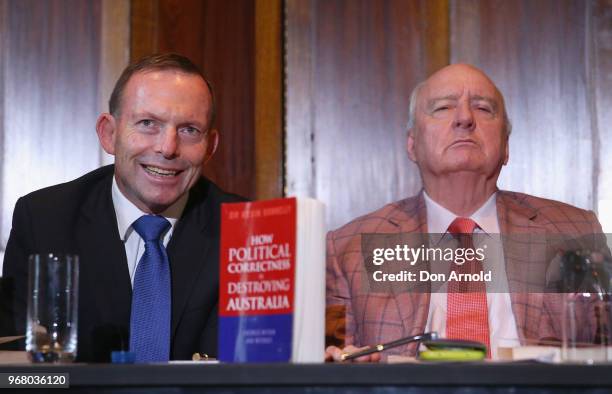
(15,271)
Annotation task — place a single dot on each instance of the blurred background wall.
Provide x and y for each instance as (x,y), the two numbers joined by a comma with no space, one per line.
(351,66)
(313,94)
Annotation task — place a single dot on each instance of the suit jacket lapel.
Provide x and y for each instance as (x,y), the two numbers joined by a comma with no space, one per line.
(102,255)
(190,249)
(413,305)
(524,243)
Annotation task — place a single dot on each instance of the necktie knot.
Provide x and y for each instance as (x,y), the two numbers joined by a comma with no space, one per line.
(151,227)
(462,226)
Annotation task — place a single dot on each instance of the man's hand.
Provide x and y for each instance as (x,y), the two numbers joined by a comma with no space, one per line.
(334,354)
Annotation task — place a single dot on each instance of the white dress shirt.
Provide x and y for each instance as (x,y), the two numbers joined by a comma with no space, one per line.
(502,324)
(127,213)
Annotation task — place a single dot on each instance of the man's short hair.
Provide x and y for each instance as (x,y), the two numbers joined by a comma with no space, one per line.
(414,96)
(156,62)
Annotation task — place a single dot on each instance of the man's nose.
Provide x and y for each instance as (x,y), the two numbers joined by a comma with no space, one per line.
(464,118)
(168,143)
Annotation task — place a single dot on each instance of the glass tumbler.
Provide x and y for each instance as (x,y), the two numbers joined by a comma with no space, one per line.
(52,320)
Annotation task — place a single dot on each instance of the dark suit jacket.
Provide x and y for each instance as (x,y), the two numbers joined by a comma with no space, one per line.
(79,217)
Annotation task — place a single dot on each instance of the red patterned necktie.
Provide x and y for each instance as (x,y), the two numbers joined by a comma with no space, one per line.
(467,314)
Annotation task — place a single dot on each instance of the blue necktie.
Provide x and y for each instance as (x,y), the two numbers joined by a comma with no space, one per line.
(150,317)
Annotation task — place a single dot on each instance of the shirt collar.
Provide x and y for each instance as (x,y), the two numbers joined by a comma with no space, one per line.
(486,216)
(127,213)
(439,218)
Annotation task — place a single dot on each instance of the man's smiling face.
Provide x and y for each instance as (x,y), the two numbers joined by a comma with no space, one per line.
(161,137)
(459,124)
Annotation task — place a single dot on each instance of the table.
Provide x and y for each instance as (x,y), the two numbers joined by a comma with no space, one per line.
(331,378)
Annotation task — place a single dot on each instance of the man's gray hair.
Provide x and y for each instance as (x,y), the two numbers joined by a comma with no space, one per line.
(414,96)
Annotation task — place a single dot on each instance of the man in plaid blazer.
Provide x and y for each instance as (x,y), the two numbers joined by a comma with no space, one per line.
(458,137)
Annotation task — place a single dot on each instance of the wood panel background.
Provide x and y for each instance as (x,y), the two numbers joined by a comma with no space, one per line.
(351,66)
(340,73)
(50,58)
(220,37)
(60,59)
(540,64)
(599,45)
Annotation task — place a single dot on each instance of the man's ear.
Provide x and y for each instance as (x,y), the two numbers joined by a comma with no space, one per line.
(106,128)
(410,145)
(212,141)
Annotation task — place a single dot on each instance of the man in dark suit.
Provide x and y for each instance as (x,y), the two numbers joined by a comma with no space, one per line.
(156,296)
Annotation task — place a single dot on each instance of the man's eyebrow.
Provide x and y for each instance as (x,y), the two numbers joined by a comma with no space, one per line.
(189,122)
(194,123)
(433,101)
(145,114)
(453,97)
(492,102)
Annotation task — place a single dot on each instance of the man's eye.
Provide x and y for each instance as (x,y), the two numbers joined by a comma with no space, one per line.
(190,130)
(485,109)
(441,108)
(146,122)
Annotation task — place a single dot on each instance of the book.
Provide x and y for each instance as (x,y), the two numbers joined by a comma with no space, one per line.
(530,352)
(556,354)
(272,281)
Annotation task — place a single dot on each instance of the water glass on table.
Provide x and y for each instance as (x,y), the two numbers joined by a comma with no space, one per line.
(52,320)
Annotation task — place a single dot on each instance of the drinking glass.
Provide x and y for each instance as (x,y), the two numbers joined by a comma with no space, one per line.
(587,307)
(52,321)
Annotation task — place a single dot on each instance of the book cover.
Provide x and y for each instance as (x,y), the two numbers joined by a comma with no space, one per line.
(257,283)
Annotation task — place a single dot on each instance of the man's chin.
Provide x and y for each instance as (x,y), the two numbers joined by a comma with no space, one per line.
(157,204)
(461,168)
(465,163)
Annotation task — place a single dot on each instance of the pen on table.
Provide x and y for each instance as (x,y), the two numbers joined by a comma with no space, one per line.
(389,345)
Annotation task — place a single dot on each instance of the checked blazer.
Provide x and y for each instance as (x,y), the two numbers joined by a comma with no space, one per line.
(356,316)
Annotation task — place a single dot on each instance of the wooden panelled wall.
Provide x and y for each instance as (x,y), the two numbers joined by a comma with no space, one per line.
(238,46)
(49,68)
(219,37)
(351,66)
(59,60)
